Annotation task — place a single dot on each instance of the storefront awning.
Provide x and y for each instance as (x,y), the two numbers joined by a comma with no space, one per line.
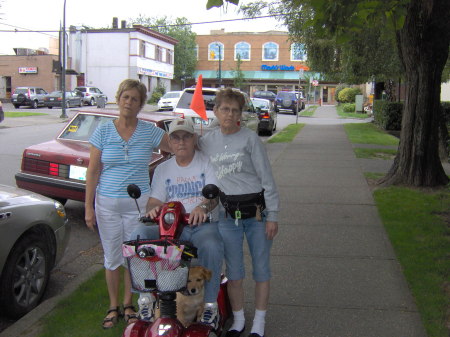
(256,75)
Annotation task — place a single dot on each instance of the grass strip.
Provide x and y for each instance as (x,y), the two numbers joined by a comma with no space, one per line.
(417,223)
(386,154)
(14,114)
(341,113)
(309,111)
(287,134)
(368,133)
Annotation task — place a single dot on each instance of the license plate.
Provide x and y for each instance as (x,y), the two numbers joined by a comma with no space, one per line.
(77,172)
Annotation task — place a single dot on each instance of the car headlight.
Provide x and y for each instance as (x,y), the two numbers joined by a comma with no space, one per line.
(169,218)
(60,209)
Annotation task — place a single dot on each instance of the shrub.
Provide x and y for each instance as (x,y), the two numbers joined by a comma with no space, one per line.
(388,115)
(349,107)
(157,94)
(347,95)
(339,88)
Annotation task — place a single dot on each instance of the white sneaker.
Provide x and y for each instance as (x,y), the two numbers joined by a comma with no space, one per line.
(211,315)
(146,303)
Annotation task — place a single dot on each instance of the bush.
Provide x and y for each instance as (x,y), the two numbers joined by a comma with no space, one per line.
(348,107)
(388,115)
(339,88)
(157,94)
(347,95)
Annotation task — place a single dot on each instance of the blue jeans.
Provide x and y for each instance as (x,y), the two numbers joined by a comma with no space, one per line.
(210,248)
(259,245)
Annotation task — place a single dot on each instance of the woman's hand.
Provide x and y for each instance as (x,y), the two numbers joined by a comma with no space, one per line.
(197,216)
(271,229)
(89,217)
(154,212)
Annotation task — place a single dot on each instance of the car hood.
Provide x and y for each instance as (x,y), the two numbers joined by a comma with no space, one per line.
(11,196)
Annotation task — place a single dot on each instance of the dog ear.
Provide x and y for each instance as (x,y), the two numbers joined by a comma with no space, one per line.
(207,274)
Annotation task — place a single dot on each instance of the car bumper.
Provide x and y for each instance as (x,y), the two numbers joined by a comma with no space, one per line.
(62,235)
(51,187)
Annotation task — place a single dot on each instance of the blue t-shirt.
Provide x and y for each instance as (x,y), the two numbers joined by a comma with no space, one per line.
(124,162)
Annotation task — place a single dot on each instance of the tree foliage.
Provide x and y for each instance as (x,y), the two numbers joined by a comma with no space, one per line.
(185,58)
(238,74)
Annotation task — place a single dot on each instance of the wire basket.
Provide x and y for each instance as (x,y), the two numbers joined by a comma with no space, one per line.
(164,271)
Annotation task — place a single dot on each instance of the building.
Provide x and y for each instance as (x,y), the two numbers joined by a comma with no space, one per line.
(268,61)
(105,57)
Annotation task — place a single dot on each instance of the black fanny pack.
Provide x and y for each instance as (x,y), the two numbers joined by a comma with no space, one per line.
(243,206)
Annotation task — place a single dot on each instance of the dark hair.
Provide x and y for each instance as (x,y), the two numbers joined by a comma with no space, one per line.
(229,94)
(129,84)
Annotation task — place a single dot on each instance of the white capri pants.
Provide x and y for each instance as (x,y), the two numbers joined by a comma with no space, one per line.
(117,218)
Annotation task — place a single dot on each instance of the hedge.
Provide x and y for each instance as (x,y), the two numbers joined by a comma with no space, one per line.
(388,115)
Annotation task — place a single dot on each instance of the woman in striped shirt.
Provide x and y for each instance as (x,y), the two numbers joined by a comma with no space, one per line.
(120,153)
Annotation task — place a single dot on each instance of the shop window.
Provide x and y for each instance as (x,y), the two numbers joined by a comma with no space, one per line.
(298,52)
(243,50)
(215,51)
(270,51)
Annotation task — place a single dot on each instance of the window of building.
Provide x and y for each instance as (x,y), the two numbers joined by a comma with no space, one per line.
(298,52)
(141,48)
(169,56)
(158,53)
(270,51)
(215,51)
(163,54)
(196,51)
(243,50)
(150,51)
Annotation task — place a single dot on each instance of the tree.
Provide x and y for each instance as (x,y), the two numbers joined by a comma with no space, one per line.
(422,37)
(238,75)
(185,58)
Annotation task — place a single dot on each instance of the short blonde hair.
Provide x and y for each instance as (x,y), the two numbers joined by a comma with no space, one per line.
(129,84)
(229,94)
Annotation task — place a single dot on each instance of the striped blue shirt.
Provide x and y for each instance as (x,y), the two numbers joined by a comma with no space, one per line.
(124,162)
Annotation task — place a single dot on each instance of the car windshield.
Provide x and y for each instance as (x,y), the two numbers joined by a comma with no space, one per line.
(81,89)
(172,95)
(208,97)
(83,126)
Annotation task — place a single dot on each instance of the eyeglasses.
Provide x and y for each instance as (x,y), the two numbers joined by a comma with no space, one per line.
(184,138)
(227,110)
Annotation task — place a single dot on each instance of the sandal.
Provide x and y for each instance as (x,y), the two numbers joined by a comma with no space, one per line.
(133,317)
(111,319)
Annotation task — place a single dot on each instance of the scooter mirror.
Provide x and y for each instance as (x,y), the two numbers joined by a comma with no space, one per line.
(134,191)
(210,191)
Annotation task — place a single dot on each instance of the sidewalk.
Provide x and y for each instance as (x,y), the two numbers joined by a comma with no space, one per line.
(334,271)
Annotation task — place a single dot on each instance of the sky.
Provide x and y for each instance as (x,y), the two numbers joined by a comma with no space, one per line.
(47,15)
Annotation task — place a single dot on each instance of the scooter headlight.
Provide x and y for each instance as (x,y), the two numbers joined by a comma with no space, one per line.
(169,218)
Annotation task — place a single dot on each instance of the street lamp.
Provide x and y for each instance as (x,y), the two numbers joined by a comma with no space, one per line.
(63,71)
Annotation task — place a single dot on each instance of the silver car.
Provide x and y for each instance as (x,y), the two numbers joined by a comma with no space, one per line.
(93,96)
(34,233)
(28,96)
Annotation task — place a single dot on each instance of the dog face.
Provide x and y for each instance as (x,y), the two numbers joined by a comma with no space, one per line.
(196,279)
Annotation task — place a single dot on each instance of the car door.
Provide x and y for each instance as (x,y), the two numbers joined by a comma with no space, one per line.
(40,94)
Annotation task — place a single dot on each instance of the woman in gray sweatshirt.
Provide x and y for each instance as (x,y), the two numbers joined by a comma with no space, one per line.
(250,200)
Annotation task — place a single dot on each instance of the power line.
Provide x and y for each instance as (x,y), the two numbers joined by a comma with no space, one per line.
(26,30)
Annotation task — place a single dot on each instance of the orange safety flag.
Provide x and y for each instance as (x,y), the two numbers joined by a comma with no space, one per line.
(198,104)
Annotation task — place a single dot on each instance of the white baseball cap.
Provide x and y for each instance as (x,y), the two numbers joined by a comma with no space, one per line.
(181,124)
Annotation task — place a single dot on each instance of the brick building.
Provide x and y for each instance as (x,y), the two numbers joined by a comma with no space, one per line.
(269,61)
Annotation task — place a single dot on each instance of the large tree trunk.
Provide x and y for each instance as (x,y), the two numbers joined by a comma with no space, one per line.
(423,45)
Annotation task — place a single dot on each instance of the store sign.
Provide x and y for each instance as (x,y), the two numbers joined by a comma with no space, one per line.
(283,67)
(155,73)
(28,70)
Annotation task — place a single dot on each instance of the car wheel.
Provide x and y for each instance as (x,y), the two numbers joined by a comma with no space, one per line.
(21,98)
(16,106)
(92,102)
(34,104)
(25,276)
(50,107)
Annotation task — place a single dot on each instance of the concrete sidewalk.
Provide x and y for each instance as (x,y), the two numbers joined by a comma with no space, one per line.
(334,270)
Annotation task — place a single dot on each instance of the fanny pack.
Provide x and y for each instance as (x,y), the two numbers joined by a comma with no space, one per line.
(243,206)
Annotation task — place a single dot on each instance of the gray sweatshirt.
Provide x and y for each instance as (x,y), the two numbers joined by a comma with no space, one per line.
(241,165)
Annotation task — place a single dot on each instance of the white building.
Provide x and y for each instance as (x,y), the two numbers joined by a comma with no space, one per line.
(105,57)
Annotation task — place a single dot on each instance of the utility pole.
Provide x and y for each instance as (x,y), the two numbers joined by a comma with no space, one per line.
(63,71)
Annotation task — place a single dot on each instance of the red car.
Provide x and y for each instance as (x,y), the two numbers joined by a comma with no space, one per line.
(57,168)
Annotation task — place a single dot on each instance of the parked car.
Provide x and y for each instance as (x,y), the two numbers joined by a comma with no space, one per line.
(28,96)
(169,100)
(92,95)
(73,98)
(289,100)
(267,116)
(57,168)
(34,233)
(183,109)
(265,95)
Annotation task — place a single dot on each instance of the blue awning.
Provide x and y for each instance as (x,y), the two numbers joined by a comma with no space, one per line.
(257,75)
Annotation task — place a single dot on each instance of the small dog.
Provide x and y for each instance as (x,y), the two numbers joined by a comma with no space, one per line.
(190,303)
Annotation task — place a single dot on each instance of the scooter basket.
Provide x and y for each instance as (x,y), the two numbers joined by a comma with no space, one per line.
(165,271)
